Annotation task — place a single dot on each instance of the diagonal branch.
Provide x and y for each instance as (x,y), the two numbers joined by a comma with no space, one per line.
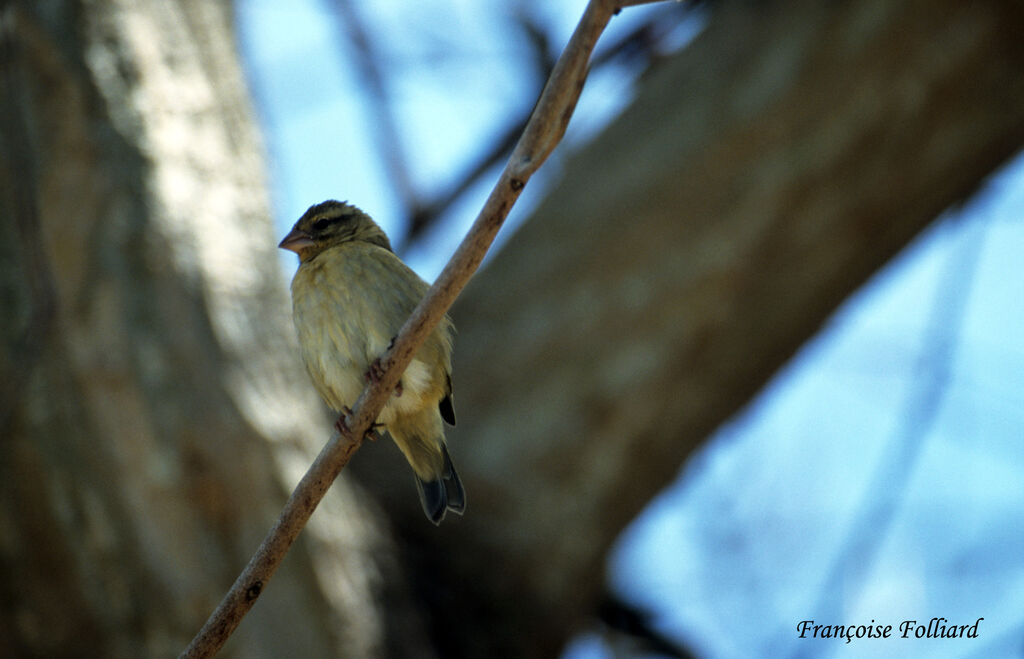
(542,133)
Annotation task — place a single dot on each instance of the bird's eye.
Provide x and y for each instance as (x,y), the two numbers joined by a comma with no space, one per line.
(321,224)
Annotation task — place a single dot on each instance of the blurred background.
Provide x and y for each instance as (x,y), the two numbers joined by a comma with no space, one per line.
(746,353)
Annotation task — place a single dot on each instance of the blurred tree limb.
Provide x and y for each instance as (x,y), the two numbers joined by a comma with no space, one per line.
(760,177)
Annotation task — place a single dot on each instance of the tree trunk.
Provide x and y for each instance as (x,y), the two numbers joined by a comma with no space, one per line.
(154,413)
(760,177)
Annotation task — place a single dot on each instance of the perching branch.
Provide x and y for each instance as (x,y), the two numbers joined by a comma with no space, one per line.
(545,128)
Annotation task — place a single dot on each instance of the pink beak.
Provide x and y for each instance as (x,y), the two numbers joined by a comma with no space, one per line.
(296,241)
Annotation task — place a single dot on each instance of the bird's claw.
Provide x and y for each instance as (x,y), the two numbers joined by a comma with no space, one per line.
(375,372)
(341,424)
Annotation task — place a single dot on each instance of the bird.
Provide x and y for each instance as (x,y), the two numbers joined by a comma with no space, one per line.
(350,296)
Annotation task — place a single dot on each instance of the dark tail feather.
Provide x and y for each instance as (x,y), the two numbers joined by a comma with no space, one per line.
(443,494)
(454,493)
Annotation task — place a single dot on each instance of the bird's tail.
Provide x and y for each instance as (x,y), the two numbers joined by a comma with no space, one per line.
(438,483)
(443,493)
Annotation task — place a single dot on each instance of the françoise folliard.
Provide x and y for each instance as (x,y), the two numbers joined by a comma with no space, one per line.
(935,628)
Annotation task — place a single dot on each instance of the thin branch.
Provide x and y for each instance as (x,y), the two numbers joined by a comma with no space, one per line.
(873,523)
(641,42)
(366,57)
(427,212)
(542,63)
(622,4)
(541,135)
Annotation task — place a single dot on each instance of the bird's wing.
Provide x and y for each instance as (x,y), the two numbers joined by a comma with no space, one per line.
(446,405)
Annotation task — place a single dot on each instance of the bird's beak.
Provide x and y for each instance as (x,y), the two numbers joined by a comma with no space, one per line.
(296,241)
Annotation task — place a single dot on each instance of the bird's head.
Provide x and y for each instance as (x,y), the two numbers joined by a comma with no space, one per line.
(330,224)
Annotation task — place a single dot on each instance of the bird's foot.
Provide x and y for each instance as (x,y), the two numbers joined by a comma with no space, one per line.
(341,425)
(376,372)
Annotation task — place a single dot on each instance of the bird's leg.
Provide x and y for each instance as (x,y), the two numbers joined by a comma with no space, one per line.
(380,371)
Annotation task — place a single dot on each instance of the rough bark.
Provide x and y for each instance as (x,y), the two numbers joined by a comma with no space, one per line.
(154,413)
(760,176)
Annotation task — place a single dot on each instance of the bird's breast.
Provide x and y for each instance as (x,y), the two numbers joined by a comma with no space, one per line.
(345,320)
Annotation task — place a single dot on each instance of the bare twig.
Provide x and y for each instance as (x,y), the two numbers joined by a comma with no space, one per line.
(385,128)
(542,133)
(642,42)
(887,488)
(542,62)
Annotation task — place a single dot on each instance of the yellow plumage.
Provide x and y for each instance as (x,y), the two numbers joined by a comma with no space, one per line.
(350,297)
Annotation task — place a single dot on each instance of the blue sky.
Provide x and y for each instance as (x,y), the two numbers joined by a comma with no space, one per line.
(913,391)
(785,484)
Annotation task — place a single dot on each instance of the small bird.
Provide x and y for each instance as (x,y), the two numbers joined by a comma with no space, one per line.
(350,296)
